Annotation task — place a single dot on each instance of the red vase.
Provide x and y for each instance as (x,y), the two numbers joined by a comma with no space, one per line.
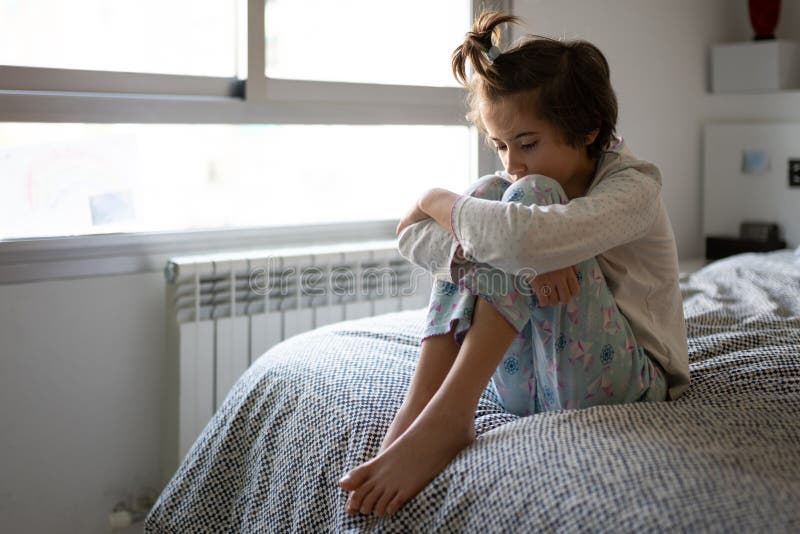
(764,17)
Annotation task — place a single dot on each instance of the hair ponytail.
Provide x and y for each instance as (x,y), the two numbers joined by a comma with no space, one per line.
(477,43)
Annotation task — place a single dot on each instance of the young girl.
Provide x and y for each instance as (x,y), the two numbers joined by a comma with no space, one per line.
(556,280)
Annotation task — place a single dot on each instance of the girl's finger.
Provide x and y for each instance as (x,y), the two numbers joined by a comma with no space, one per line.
(553,300)
(552,297)
(574,288)
(544,291)
(563,292)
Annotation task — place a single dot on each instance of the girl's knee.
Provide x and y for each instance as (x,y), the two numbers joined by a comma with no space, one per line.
(535,189)
(489,187)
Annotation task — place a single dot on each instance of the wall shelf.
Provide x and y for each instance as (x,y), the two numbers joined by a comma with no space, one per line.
(755,67)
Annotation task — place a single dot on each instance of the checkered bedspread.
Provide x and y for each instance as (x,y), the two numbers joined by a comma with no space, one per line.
(724,457)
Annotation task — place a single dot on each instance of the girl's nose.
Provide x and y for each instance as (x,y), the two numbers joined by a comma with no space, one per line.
(516,166)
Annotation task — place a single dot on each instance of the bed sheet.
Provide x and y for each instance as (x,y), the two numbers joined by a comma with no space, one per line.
(724,456)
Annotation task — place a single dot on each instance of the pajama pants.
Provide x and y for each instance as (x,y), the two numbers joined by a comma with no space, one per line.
(564,356)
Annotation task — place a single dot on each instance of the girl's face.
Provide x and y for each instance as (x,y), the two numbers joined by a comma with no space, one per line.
(529,145)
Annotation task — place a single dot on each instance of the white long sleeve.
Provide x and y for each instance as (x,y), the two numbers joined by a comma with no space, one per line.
(511,236)
(428,245)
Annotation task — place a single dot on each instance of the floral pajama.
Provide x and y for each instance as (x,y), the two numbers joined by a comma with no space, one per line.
(564,356)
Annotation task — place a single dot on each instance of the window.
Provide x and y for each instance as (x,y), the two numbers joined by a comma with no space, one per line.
(386,42)
(203,113)
(77,179)
(123,35)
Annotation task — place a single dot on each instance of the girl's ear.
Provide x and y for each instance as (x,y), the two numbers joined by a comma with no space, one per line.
(592,136)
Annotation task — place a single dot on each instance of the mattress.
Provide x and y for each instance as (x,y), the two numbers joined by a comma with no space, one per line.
(724,456)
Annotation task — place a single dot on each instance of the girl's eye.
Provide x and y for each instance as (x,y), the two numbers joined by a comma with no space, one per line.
(499,148)
(529,146)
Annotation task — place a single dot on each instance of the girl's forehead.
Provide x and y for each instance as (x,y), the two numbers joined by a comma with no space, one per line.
(507,117)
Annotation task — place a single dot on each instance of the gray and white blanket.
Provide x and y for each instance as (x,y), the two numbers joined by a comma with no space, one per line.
(725,456)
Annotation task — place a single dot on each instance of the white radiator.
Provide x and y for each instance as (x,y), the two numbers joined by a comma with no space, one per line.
(226,310)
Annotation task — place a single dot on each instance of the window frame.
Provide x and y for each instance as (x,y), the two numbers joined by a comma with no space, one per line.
(36,94)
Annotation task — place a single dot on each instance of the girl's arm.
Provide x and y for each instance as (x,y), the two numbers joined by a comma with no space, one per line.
(438,204)
(428,245)
(513,237)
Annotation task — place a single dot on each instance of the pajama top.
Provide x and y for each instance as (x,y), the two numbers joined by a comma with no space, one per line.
(621,220)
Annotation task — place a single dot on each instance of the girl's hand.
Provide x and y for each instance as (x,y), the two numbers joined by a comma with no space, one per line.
(555,287)
(415,214)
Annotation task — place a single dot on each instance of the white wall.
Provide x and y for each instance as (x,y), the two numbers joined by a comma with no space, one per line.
(80,391)
(81,361)
(658,51)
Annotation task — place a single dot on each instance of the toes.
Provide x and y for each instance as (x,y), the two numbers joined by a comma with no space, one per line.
(355,478)
(369,500)
(380,507)
(357,497)
(395,504)
(350,506)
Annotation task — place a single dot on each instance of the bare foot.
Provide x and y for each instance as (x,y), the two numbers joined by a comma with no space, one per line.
(397,474)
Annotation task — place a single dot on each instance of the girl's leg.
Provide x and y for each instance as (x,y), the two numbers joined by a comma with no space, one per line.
(578,354)
(435,359)
(449,315)
(442,429)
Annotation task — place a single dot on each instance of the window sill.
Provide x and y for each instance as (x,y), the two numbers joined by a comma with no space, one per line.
(57,258)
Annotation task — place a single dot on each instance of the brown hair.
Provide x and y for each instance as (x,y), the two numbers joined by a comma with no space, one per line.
(568,80)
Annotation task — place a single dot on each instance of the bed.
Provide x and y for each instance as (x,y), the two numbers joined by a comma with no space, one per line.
(725,456)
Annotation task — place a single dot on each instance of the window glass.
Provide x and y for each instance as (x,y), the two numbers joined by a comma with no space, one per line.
(77,179)
(196,37)
(369,41)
